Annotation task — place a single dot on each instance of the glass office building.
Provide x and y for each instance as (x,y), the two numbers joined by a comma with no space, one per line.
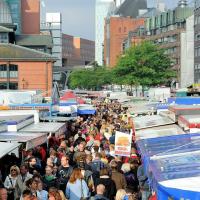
(10,13)
(102,10)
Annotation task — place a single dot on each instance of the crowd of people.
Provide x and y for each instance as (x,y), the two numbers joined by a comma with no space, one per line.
(80,164)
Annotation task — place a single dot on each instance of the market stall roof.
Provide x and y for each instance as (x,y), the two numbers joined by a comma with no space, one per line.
(179,108)
(86,109)
(15,119)
(45,127)
(31,139)
(160,131)
(6,148)
(192,121)
(57,119)
(68,95)
(169,145)
(151,121)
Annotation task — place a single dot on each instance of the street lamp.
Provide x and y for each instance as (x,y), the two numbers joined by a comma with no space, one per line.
(66,76)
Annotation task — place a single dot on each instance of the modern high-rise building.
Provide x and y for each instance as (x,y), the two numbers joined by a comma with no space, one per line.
(102,9)
(20,14)
(197,41)
(53,25)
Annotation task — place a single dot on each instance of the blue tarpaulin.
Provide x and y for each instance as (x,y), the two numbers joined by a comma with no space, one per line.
(172,163)
(184,100)
(86,112)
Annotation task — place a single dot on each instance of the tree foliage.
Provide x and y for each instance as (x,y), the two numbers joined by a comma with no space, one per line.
(90,78)
(145,65)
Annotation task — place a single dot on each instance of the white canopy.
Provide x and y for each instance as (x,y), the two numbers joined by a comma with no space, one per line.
(31,139)
(160,131)
(45,127)
(188,184)
(6,148)
(151,121)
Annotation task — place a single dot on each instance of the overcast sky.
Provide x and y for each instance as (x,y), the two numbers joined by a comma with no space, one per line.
(78,15)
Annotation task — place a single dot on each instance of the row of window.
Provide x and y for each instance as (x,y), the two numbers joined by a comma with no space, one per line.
(167,28)
(168,39)
(12,70)
(171,50)
(11,86)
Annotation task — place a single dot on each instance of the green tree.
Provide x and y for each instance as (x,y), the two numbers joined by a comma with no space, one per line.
(145,64)
(93,78)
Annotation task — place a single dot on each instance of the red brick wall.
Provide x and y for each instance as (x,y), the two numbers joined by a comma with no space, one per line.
(119,28)
(33,76)
(30,10)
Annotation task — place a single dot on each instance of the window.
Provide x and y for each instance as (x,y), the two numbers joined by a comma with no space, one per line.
(13,71)
(12,86)
(3,71)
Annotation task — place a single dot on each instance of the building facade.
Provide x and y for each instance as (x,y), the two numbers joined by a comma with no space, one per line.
(30,16)
(102,9)
(20,14)
(77,51)
(197,42)
(172,31)
(24,68)
(116,31)
(53,25)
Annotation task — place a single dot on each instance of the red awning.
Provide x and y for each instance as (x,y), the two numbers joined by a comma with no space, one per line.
(68,95)
(80,101)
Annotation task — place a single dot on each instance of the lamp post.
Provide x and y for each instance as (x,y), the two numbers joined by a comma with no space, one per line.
(65,85)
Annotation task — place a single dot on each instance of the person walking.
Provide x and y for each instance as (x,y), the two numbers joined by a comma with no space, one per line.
(76,187)
(20,185)
(10,181)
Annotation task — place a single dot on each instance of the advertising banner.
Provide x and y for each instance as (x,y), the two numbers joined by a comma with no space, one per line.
(123,144)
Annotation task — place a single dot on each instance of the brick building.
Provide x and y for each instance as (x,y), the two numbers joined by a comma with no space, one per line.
(30,16)
(77,51)
(24,68)
(116,31)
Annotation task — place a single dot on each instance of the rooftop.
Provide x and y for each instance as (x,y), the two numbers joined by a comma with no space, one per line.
(34,40)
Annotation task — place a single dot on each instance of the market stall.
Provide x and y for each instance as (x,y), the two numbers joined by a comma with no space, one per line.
(86,109)
(150,121)
(30,140)
(14,122)
(190,123)
(45,127)
(57,119)
(6,148)
(176,177)
(167,146)
(160,131)
(177,110)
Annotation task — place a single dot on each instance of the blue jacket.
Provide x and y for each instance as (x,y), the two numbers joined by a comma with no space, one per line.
(74,191)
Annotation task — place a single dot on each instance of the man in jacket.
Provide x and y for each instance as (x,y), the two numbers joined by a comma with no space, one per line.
(21,181)
(117,177)
(100,191)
